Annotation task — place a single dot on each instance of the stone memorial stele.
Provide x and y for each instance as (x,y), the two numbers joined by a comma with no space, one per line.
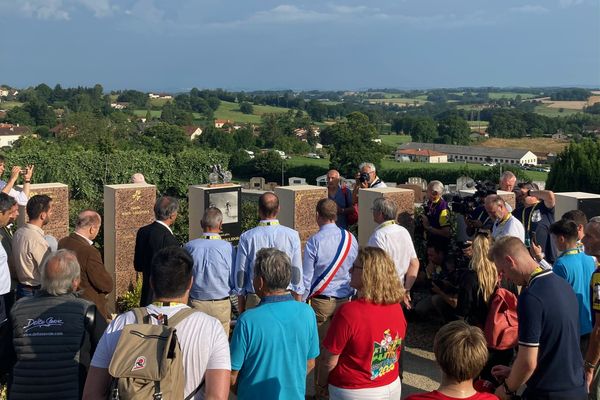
(404,198)
(589,203)
(298,208)
(59,221)
(227,198)
(127,208)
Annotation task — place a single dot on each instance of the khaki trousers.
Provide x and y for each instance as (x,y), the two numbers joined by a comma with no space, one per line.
(324,310)
(220,309)
(252,300)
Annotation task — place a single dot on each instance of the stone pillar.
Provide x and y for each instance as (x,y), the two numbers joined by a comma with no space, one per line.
(404,198)
(589,203)
(59,221)
(298,208)
(508,197)
(227,198)
(127,208)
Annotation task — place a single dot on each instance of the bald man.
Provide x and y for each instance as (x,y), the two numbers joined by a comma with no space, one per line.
(548,360)
(342,196)
(96,282)
(268,233)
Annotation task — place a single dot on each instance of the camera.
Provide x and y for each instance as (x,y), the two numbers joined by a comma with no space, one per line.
(465,205)
(364,177)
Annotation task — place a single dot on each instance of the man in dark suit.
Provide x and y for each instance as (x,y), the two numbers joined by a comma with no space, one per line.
(96,281)
(151,238)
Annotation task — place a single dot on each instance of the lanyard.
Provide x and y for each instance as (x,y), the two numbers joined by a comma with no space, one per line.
(504,220)
(570,252)
(530,215)
(167,303)
(211,237)
(538,270)
(268,223)
(386,223)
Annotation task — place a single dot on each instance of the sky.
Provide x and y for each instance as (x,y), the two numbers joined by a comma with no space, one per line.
(174,45)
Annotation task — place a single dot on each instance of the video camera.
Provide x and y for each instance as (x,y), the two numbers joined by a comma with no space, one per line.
(465,205)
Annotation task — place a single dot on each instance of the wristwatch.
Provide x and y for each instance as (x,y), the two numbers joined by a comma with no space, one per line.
(507,390)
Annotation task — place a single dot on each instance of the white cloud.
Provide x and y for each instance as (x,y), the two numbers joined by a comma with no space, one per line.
(101,8)
(529,9)
(45,9)
(289,13)
(569,3)
(61,9)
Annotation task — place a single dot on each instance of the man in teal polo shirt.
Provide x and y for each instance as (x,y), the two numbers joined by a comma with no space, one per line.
(274,345)
(577,268)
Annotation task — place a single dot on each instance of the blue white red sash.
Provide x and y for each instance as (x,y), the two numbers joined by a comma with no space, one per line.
(340,256)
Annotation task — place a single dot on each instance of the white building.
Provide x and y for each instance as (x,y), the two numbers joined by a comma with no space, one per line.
(10,133)
(421,155)
(477,154)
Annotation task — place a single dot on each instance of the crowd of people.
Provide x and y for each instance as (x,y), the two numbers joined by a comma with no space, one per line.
(327,306)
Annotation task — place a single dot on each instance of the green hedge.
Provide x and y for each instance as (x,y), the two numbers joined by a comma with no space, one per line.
(87,171)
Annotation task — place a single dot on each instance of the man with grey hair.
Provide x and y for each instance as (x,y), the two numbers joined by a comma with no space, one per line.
(151,238)
(288,327)
(435,218)
(505,224)
(396,242)
(508,181)
(367,177)
(96,281)
(213,265)
(591,245)
(54,330)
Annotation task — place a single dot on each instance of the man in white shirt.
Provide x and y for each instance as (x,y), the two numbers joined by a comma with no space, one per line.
(505,224)
(396,242)
(202,339)
(6,208)
(8,187)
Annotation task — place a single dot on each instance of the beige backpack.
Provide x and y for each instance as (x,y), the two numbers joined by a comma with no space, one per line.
(148,363)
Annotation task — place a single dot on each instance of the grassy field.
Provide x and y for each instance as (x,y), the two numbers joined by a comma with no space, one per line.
(511,95)
(7,105)
(231,111)
(554,112)
(389,164)
(142,113)
(544,145)
(397,100)
(394,140)
(475,124)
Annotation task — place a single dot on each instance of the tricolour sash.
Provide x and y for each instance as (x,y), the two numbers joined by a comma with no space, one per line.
(340,256)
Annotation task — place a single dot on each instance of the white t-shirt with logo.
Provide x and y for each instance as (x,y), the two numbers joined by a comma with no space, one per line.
(202,339)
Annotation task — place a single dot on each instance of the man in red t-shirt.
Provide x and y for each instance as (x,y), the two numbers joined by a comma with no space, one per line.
(461,352)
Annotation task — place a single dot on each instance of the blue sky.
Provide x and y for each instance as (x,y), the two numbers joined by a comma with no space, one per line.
(316,44)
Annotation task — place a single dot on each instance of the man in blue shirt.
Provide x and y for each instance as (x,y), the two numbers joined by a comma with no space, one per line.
(268,233)
(549,360)
(213,266)
(342,197)
(328,257)
(577,268)
(275,344)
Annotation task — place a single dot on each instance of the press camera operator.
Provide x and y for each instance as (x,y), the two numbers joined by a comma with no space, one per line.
(472,209)
(366,178)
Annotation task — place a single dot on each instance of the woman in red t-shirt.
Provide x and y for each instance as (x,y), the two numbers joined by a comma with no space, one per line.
(363,343)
